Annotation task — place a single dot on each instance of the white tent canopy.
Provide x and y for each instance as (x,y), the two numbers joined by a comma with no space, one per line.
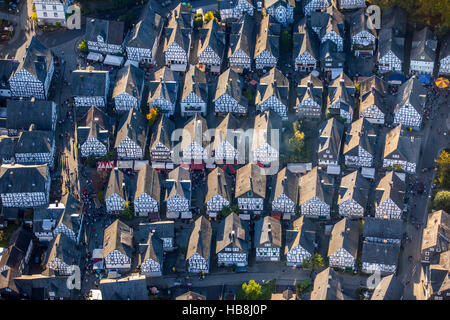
(113,60)
(94,56)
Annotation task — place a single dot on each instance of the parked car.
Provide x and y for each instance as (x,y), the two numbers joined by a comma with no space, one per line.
(259,6)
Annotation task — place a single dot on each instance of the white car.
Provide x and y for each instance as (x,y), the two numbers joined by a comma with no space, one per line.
(259,6)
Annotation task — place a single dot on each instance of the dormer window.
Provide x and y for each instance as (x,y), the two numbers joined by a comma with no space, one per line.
(100,39)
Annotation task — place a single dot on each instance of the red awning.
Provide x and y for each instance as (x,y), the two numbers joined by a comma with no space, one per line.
(197,166)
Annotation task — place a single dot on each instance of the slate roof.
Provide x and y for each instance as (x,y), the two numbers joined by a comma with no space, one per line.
(383,228)
(348,83)
(354,186)
(407,147)
(328,50)
(226,126)
(396,20)
(315,184)
(195,82)
(35,58)
(361,133)
(178,28)
(22,179)
(22,113)
(63,248)
(373,97)
(445,48)
(71,216)
(285,183)
(115,181)
(386,43)
(93,130)
(130,79)
(89,82)
(424,43)
(374,82)
(190,296)
(7,147)
(212,36)
(359,21)
(437,232)
(7,70)
(38,286)
(164,84)
(389,288)
(196,128)
(304,40)
(268,38)
(322,19)
(231,83)
(153,249)
(96,115)
(162,132)
(327,286)
(249,178)
(200,239)
(134,126)
(330,136)
(147,30)
(273,84)
(267,230)
(242,36)
(118,236)
(345,235)
(149,182)
(17,249)
(390,186)
(128,288)
(163,229)
(413,93)
(241,238)
(265,122)
(439,279)
(111,31)
(218,183)
(34,141)
(302,233)
(380,253)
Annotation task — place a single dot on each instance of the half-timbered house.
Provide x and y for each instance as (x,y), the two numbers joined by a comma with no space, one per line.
(343,246)
(267,239)
(35,147)
(389,195)
(437,279)
(17,255)
(163,90)
(129,87)
(133,287)
(381,257)
(45,220)
(300,242)
(193,142)
(331,60)
(373,104)
(383,230)
(267,46)
(211,46)
(341,101)
(93,132)
(142,43)
(233,242)
(362,33)
(34,73)
(305,50)
(389,288)
(131,136)
(104,36)
(352,195)
(423,52)
(444,56)
(410,104)
(234,9)
(21,114)
(401,151)
(436,236)
(310,6)
(62,255)
(285,193)
(51,12)
(147,196)
(229,96)
(160,144)
(177,38)
(328,285)
(281,10)
(178,194)
(360,144)
(198,255)
(250,190)
(351,4)
(90,87)
(272,93)
(117,247)
(330,138)
(309,97)
(24,186)
(266,138)
(315,194)
(7,149)
(242,44)
(7,69)
(151,257)
(219,193)
(70,221)
(194,97)
(164,230)
(228,141)
(116,193)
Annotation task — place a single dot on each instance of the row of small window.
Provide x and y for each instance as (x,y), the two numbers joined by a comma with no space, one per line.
(55,14)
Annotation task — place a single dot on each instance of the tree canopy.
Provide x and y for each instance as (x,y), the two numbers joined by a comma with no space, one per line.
(251,290)
(442,201)
(443,173)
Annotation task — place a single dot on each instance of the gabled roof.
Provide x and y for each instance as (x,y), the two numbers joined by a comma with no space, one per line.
(149,182)
(213,37)
(249,178)
(73,209)
(178,28)
(232,230)
(267,230)
(134,126)
(218,183)
(194,130)
(383,228)
(94,130)
(96,115)
(265,122)
(304,40)
(302,233)
(268,38)
(361,133)
(242,36)
(424,43)
(359,21)
(130,79)
(390,187)
(439,279)
(373,83)
(111,31)
(200,239)
(386,43)
(16,178)
(89,82)
(314,184)
(116,178)
(146,31)
(437,232)
(7,69)
(380,253)
(39,286)
(118,236)
(190,295)
(153,249)
(273,84)
(389,288)
(162,132)
(327,286)
(16,250)
(445,47)
(64,249)
(406,147)
(231,83)
(354,186)
(35,58)
(226,126)
(373,97)
(164,84)
(411,92)
(395,19)
(337,82)
(128,288)
(345,235)
(330,136)
(286,183)
(161,229)
(35,141)
(195,82)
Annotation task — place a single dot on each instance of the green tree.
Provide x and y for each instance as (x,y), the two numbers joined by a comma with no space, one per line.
(250,291)
(313,263)
(128,211)
(443,172)
(208,16)
(83,46)
(285,41)
(442,201)
(303,288)
(296,144)
(398,167)
(198,22)
(91,161)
